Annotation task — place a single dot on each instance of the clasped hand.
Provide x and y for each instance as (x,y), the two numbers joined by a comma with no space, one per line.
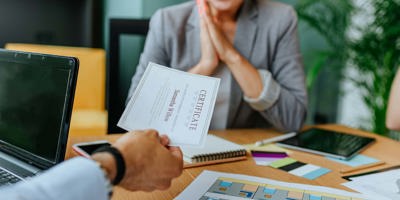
(215,46)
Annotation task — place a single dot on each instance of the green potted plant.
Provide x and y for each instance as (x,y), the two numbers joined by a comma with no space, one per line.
(331,20)
(322,28)
(376,55)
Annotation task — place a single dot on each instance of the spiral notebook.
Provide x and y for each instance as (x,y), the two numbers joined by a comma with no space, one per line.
(216,150)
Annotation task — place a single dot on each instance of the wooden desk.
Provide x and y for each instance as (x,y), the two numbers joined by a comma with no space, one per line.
(384,149)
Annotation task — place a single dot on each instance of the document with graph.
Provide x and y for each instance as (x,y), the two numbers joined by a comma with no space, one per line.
(222,186)
(176,103)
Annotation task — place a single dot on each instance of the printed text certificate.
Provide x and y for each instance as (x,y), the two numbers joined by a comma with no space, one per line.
(173,102)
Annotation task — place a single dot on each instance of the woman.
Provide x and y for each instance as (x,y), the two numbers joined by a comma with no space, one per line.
(251,45)
(393,111)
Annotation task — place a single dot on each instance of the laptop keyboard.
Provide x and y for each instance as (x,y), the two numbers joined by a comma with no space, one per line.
(7,178)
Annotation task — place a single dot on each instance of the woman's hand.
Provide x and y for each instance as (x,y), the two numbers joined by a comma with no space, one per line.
(223,47)
(243,71)
(209,59)
(216,45)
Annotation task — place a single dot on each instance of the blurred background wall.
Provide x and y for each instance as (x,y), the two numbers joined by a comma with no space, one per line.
(324,27)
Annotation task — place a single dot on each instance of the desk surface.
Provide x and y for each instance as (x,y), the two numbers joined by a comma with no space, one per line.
(384,149)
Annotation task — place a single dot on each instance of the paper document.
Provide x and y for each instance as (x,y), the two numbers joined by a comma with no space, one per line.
(383,185)
(221,186)
(173,102)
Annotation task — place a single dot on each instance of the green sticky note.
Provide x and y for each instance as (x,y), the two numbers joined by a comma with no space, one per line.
(282,162)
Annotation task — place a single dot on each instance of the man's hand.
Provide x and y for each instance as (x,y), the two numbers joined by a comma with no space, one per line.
(150,163)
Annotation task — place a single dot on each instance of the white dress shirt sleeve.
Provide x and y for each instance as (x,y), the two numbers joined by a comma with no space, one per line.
(75,179)
(269,94)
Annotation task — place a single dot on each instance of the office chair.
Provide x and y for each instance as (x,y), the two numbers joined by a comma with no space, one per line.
(117,88)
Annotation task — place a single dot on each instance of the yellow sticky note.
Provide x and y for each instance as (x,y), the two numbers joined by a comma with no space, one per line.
(267,147)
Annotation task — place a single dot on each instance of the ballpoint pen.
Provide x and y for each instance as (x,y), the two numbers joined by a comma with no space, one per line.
(275,139)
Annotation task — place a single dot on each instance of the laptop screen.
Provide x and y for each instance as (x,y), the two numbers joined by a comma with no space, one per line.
(35,105)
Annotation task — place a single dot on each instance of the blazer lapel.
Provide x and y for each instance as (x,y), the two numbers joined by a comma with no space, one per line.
(193,36)
(246,30)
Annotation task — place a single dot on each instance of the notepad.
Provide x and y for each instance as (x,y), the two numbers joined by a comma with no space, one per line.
(216,150)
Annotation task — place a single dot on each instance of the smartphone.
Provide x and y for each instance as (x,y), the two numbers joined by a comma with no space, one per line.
(86,149)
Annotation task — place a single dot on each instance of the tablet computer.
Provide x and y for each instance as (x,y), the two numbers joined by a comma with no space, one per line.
(328,143)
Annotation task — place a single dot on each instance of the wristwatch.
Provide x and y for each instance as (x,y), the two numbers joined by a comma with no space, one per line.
(120,164)
(119,161)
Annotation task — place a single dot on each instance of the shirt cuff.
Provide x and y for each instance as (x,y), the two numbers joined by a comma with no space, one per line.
(269,94)
(78,178)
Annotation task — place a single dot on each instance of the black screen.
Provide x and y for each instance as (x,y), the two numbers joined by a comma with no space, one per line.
(32,101)
(90,148)
(330,142)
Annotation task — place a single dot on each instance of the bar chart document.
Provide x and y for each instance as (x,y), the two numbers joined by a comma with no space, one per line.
(222,186)
(173,102)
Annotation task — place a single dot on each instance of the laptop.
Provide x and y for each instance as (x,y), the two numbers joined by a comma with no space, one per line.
(36,98)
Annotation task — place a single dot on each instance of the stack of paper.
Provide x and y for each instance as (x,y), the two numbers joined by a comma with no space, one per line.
(382,186)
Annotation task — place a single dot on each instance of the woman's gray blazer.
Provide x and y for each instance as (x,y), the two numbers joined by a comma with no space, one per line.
(266,35)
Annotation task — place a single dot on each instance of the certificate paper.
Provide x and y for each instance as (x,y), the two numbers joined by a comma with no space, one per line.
(173,102)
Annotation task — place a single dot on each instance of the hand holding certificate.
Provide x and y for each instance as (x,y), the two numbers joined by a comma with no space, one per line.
(175,103)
